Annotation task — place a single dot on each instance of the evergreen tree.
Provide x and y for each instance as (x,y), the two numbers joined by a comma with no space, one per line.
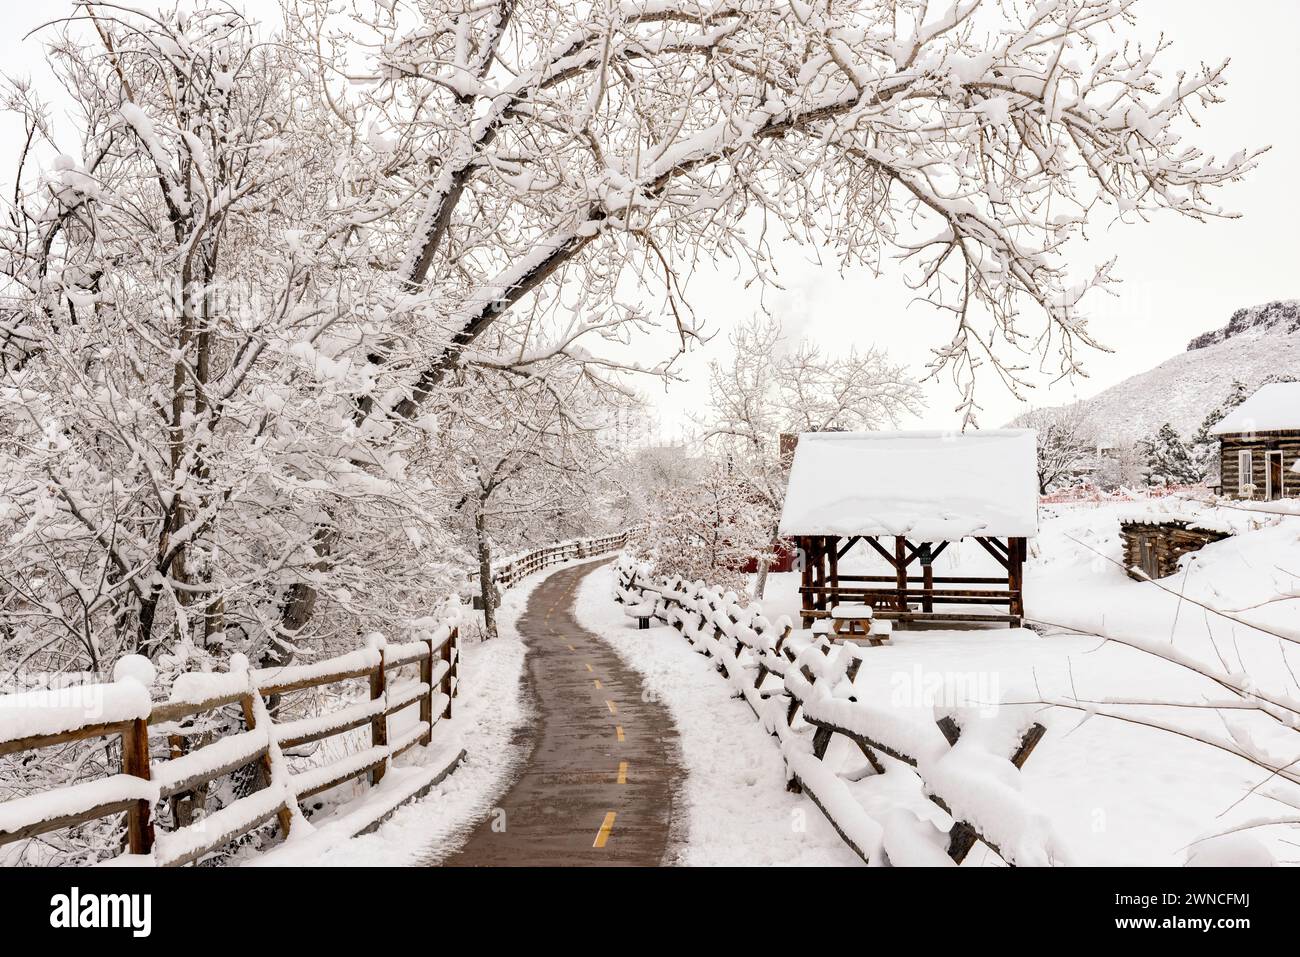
(1169,461)
(1204,447)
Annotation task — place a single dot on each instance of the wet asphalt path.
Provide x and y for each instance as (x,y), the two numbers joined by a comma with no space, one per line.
(599,784)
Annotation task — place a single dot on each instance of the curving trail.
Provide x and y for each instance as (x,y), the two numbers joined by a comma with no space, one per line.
(599,784)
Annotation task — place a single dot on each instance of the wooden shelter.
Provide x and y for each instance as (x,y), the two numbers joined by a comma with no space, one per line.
(907,496)
(1259,445)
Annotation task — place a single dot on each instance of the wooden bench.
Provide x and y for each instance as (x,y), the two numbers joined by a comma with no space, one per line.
(920,603)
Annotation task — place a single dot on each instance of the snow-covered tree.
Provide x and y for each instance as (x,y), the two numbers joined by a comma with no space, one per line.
(181,461)
(770,387)
(648,471)
(1204,447)
(525,453)
(1067,443)
(540,154)
(1122,466)
(1169,461)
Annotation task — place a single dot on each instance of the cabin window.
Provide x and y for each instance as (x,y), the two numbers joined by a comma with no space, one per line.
(1245,470)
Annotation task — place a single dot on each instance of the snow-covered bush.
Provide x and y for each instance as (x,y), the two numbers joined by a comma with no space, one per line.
(711,529)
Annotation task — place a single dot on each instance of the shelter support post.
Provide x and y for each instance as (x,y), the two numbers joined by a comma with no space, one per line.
(1017,549)
(927,578)
(805,577)
(900,568)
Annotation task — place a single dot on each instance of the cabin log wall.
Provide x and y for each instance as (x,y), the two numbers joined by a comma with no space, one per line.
(1287,442)
(1165,543)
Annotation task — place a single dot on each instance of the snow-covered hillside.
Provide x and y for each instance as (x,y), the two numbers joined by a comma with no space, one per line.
(1257,343)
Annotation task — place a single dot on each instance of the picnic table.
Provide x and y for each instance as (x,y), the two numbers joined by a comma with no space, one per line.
(856,622)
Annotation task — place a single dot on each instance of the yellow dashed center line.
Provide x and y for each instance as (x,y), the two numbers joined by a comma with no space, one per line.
(571,648)
(612,709)
(596,682)
(622,772)
(618,730)
(605,828)
(588,667)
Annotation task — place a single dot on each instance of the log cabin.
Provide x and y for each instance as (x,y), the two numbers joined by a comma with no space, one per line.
(907,496)
(1259,445)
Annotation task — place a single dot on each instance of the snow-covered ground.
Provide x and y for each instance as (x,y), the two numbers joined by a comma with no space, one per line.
(1116,793)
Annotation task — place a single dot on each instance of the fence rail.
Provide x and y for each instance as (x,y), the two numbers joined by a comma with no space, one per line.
(33,720)
(802,689)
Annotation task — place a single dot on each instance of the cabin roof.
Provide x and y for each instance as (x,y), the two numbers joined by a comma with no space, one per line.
(1273,408)
(928,486)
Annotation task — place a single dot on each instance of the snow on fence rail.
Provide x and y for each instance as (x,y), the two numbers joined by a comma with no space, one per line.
(40,719)
(801,688)
(510,571)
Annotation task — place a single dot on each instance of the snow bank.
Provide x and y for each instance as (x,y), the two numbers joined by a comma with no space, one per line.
(733,808)
(1230,850)
(486,726)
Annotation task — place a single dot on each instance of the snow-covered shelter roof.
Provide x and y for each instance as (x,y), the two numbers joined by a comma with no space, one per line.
(928,486)
(1273,408)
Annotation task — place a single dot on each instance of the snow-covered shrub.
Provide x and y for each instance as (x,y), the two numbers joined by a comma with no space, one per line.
(711,528)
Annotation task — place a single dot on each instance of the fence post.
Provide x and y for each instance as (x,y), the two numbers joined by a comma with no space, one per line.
(449,655)
(135,762)
(426,703)
(182,804)
(379,723)
(264,768)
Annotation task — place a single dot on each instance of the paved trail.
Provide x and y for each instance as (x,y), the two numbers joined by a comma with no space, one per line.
(599,784)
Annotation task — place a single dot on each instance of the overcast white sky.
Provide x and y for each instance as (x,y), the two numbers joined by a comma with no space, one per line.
(1180,277)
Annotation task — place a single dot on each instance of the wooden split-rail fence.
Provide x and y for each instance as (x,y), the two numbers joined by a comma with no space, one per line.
(160,761)
(795,685)
(511,571)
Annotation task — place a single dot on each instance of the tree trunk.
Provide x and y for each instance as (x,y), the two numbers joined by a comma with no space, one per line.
(760,583)
(300,599)
(486,585)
